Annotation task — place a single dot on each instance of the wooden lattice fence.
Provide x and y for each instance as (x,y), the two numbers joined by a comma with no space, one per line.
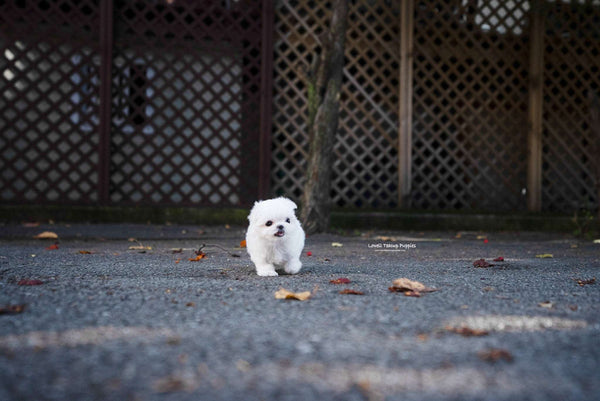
(470,78)
(127,102)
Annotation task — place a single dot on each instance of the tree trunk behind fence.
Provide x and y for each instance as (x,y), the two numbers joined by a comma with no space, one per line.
(324,83)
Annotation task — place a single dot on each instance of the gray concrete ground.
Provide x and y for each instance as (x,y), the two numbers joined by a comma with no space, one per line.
(132,324)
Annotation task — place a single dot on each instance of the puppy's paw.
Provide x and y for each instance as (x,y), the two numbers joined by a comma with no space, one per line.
(293,267)
(266,271)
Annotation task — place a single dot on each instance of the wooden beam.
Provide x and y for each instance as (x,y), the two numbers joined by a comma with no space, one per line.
(405,96)
(536,98)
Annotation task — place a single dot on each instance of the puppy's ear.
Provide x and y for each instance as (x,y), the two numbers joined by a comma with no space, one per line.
(289,203)
(252,214)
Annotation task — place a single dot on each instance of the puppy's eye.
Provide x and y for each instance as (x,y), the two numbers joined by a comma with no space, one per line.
(269,223)
(287,220)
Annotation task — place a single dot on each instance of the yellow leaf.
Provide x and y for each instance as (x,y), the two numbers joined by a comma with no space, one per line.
(337,244)
(46,235)
(286,294)
(544,256)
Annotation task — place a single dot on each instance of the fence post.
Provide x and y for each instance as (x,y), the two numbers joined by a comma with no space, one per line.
(536,98)
(405,100)
(106,47)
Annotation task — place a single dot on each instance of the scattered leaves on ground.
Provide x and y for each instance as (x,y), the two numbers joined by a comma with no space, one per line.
(544,256)
(495,355)
(467,331)
(410,288)
(582,282)
(351,292)
(341,280)
(282,293)
(30,282)
(46,235)
(52,247)
(12,309)
(482,263)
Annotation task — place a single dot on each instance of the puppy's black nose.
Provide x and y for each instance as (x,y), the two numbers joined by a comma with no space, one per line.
(280,227)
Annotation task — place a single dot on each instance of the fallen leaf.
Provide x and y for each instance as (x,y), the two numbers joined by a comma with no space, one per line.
(199,256)
(495,355)
(30,282)
(282,293)
(309,253)
(573,307)
(351,292)
(586,282)
(544,256)
(190,304)
(409,287)
(46,235)
(337,244)
(596,241)
(176,250)
(243,243)
(341,280)
(481,237)
(467,331)
(499,259)
(85,252)
(485,241)
(481,263)
(52,247)
(12,309)
(140,248)
(546,304)
(31,224)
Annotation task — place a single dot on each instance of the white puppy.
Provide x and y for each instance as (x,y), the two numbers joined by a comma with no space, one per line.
(275,237)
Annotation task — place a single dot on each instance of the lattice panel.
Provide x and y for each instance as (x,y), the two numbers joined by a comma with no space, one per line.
(572,69)
(186,90)
(470,104)
(365,168)
(49,101)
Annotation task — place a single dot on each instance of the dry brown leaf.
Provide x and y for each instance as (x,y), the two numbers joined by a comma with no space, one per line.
(410,288)
(282,293)
(495,354)
(351,292)
(12,309)
(467,331)
(481,263)
(586,282)
(46,235)
(199,256)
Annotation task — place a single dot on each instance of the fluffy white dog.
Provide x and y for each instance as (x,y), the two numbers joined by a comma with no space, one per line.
(275,237)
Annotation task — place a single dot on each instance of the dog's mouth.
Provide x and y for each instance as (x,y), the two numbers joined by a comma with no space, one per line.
(280,233)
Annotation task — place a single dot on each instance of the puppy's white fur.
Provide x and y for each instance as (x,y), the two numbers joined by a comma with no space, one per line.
(275,238)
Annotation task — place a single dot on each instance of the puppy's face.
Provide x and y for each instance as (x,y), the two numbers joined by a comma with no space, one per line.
(274,218)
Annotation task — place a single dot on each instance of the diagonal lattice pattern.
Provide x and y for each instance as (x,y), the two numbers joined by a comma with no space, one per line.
(48,101)
(182,103)
(470,105)
(571,70)
(365,172)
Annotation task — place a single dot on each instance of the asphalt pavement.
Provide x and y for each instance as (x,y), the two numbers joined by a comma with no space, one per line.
(120,312)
